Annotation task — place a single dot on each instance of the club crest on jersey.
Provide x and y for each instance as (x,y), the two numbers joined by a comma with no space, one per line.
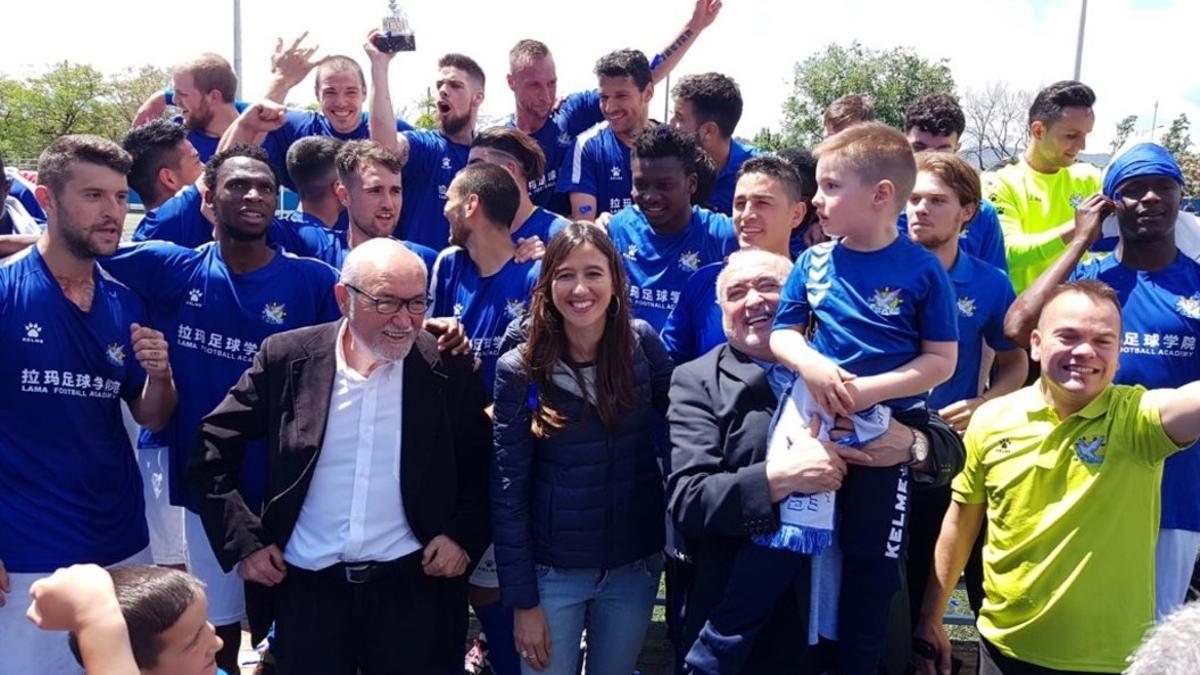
(689,261)
(1090,450)
(514,308)
(195,298)
(445,162)
(274,313)
(33,333)
(1189,307)
(458,310)
(631,252)
(616,172)
(1076,200)
(966,307)
(886,302)
(115,354)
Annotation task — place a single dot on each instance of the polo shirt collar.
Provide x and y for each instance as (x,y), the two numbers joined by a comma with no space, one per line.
(1035,402)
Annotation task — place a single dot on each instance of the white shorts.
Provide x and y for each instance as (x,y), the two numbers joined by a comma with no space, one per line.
(1174,560)
(25,648)
(485,575)
(225,590)
(167,542)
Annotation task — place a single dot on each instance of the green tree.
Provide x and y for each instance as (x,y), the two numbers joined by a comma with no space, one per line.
(768,140)
(1123,132)
(131,87)
(893,79)
(1178,138)
(428,107)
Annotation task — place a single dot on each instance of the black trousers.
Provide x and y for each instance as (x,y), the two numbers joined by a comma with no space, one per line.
(387,624)
(992,662)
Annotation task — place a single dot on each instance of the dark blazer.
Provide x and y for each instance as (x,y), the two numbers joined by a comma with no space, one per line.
(284,397)
(717,495)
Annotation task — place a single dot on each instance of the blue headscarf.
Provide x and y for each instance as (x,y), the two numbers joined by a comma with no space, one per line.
(1143,159)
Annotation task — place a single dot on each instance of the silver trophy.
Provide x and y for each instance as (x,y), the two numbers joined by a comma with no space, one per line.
(397,35)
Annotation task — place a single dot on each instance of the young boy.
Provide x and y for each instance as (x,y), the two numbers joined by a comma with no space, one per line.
(881,314)
(130,619)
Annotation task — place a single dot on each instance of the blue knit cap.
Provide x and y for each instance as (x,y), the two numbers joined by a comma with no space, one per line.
(1143,159)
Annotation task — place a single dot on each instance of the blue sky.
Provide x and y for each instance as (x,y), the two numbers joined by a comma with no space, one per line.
(1028,43)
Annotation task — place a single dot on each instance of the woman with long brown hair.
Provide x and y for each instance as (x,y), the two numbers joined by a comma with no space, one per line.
(577,495)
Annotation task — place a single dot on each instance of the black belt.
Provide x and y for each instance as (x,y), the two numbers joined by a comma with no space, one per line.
(364,572)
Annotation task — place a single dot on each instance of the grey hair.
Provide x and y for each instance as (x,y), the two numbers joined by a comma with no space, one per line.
(1172,647)
(378,252)
(753,259)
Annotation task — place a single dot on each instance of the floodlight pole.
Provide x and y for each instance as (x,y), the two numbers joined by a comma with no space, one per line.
(1079,42)
(237,44)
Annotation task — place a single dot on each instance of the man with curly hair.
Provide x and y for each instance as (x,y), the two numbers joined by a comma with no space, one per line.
(936,123)
(709,106)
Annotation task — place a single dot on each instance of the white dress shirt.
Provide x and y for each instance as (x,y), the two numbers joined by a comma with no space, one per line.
(353,511)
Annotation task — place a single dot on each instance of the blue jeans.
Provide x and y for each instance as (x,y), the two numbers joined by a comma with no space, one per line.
(613,605)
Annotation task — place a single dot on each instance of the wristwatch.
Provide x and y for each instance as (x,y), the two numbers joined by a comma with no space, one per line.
(919,449)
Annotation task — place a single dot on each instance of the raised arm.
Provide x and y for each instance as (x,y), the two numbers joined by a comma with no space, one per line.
(383,116)
(1023,315)
(703,14)
(152,109)
(1179,410)
(81,599)
(253,124)
(289,67)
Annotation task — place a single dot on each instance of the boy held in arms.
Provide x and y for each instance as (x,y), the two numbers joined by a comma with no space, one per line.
(879,311)
(130,620)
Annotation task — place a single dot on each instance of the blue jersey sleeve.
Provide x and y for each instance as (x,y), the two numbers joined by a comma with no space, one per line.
(579,112)
(578,172)
(678,333)
(993,328)
(440,284)
(427,255)
(794,309)
(177,220)
(938,314)
(327,306)
(985,237)
(157,271)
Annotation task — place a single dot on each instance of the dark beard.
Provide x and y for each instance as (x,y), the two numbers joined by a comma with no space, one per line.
(454,125)
(79,246)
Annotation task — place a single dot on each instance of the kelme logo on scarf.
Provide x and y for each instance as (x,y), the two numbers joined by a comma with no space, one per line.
(1090,450)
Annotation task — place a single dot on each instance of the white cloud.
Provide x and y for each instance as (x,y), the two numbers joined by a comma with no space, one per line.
(1136,51)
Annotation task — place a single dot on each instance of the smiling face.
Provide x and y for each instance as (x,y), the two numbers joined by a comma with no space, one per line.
(662,190)
(1077,343)
(373,199)
(748,302)
(385,337)
(192,103)
(190,646)
(763,215)
(582,289)
(624,106)
(341,93)
(458,97)
(88,212)
(1059,143)
(1150,206)
(534,83)
(243,199)
(935,214)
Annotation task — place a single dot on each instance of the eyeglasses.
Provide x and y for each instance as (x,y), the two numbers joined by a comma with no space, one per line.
(415,306)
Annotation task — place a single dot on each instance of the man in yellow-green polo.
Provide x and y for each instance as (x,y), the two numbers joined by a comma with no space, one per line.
(1035,198)
(1066,472)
